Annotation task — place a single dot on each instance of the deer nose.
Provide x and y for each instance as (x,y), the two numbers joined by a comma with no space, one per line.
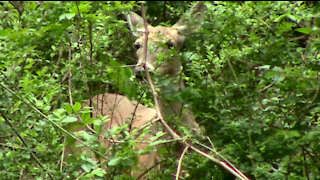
(139,71)
(139,68)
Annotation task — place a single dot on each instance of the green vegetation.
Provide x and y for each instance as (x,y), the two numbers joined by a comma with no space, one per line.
(253,72)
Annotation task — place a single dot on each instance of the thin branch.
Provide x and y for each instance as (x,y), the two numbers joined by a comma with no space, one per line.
(13,146)
(25,144)
(306,169)
(90,59)
(90,42)
(180,162)
(62,155)
(146,171)
(208,138)
(82,174)
(313,158)
(221,163)
(148,124)
(164,12)
(70,73)
(78,9)
(222,157)
(233,72)
(39,111)
(134,111)
(154,93)
(19,6)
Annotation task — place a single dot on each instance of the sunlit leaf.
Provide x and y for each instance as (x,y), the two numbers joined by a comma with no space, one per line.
(67,16)
(76,107)
(304,30)
(115,161)
(69,119)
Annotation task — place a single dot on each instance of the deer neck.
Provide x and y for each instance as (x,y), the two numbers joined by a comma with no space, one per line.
(171,104)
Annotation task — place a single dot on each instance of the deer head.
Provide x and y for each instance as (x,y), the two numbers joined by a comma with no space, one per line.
(161,39)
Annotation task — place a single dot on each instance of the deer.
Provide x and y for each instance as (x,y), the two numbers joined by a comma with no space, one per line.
(152,44)
(161,40)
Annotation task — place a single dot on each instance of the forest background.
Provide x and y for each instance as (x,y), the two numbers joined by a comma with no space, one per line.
(252,72)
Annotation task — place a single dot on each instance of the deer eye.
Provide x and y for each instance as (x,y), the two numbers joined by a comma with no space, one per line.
(169,44)
(137,45)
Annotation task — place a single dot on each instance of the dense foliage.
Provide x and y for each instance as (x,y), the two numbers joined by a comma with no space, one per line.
(253,72)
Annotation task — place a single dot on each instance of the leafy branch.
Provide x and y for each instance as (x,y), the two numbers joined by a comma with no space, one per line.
(176,136)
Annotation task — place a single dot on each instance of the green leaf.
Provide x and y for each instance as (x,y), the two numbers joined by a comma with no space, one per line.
(99,172)
(84,8)
(158,135)
(292,134)
(85,135)
(128,162)
(26,155)
(67,16)
(76,107)
(86,167)
(115,161)
(264,67)
(158,142)
(300,49)
(69,119)
(127,134)
(60,113)
(287,15)
(68,108)
(86,117)
(304,30)
(280,18)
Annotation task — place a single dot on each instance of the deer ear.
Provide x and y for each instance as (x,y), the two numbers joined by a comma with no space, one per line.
(191,20)
(135,22)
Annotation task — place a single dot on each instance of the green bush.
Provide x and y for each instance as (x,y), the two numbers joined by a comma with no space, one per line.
(252,71)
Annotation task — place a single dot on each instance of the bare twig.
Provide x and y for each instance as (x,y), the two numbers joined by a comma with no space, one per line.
(306,169)
(154,93)
(148,124)
(134,111)
(19,6)
(70,73)
(221,163)
(164,12)
(62,155)
(222,157)
(78,9)
(180,162)
(145,172)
